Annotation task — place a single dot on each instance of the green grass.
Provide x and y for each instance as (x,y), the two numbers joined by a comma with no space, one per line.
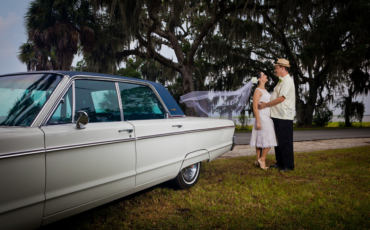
(327,190)
(355,124)
(330,126)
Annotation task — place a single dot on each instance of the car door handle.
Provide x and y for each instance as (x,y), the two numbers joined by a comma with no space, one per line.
(128,130)
(177,126)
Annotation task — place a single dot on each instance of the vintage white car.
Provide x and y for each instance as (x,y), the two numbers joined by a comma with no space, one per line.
(71,141)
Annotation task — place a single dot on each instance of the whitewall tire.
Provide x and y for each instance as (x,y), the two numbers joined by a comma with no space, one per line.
(188,176)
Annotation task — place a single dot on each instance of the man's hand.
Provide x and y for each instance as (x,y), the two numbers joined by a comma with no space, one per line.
(258,126)
(262,105)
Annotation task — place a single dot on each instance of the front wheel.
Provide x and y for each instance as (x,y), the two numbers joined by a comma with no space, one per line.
(188,176)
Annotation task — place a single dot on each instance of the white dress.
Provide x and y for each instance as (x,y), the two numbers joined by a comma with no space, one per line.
(265,137)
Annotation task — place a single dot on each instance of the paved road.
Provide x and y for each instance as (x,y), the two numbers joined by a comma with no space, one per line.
(309,135)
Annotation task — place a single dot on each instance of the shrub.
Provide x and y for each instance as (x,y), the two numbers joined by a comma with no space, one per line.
(243,119)
(341,124)
(323,115)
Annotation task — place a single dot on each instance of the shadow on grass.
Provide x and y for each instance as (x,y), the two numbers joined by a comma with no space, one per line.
(69,223)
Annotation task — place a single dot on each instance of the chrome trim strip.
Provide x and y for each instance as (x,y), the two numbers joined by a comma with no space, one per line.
(100,78)
(197,156)
(51,95)
(33,72)
(73,101)
(17,154)
(159,135)
(88,144)
(56,103)
(210,129)
(119,100)
(195,152)
(182,132)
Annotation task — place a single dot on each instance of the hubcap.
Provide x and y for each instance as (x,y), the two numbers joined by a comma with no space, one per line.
(190,172)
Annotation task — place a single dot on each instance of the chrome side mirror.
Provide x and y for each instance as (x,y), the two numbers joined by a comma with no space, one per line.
(82,120)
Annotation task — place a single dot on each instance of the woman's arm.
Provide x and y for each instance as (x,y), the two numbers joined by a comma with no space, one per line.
(256,98)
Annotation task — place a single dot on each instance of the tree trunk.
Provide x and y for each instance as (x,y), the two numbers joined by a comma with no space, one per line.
(347,111)
(299,104)
(300,111)
(188,87)
(65,59)
(306,110)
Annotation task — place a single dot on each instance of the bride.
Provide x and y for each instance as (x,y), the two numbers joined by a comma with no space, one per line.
(263,133)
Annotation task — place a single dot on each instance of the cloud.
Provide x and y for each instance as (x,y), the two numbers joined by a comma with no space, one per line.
(6,23)
(11,37)
(8,52)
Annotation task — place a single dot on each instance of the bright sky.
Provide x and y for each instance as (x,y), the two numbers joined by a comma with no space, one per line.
(12,35)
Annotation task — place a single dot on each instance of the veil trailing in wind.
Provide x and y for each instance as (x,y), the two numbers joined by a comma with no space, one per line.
(218,103)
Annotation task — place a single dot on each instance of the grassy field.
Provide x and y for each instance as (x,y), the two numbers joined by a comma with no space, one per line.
(327,190)
(331,125)
(355,124)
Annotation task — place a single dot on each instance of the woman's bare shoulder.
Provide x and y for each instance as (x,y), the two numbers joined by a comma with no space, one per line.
(258,91)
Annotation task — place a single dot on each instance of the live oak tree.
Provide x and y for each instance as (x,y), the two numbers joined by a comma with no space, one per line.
(181,25)
(323,40)
(321,45)
(217,44)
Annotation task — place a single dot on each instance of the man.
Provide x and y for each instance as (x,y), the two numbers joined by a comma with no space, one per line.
(282,113)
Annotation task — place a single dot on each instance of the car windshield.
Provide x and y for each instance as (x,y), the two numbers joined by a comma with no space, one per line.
(22,97)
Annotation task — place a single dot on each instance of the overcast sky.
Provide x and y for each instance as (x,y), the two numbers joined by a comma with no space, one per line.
(12,35)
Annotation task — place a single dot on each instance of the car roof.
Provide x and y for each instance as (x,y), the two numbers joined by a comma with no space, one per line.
(173,108)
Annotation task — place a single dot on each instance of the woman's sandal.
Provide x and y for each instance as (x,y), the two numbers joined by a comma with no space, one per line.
(262,164)
(256,163)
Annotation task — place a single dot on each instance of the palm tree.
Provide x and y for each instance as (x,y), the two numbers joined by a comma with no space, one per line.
(27,55)
(37,59)
(62,24)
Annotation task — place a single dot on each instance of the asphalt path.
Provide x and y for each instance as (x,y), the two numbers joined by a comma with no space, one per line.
(310,135)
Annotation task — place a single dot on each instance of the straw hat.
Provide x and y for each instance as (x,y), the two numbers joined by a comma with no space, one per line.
(283,62)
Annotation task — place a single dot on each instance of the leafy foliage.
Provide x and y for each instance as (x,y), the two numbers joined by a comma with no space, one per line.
(323,115)
(61,24)
(218,44)
(37,59)
(351,111)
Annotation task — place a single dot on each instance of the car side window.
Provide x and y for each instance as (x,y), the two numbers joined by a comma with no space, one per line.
(98,99)
(140,103)
(63,113)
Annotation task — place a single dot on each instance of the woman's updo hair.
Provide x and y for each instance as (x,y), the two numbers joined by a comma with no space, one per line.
(258,75)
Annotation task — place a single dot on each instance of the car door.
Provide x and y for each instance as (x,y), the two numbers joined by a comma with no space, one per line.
(160,142)
(83,165)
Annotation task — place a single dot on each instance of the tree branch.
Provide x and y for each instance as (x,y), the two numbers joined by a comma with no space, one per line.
(285,44)
(159,58)
(208,25)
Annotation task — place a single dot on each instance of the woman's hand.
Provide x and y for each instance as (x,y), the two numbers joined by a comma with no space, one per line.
(258,126)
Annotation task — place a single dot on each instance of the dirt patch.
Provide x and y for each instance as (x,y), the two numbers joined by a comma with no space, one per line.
(302,146)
